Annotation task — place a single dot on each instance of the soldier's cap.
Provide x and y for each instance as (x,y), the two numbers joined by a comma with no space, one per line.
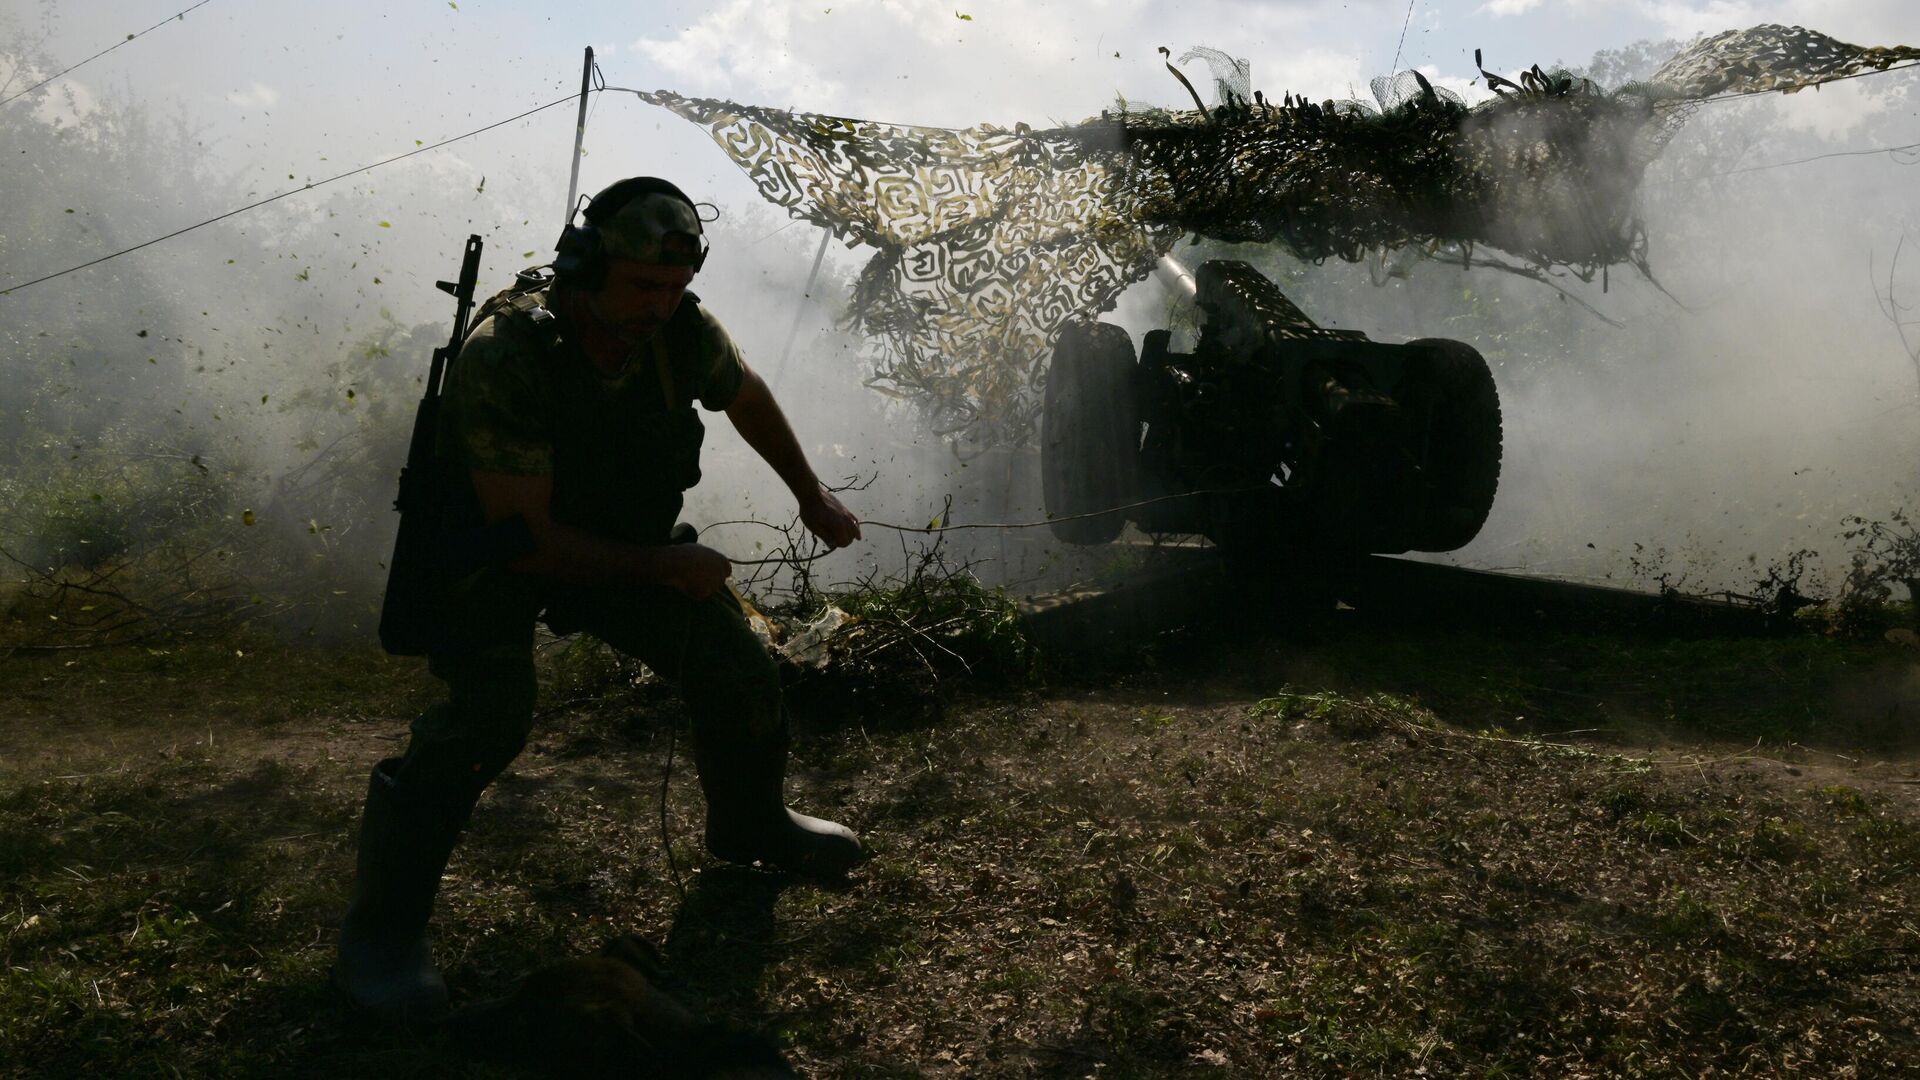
(652,228)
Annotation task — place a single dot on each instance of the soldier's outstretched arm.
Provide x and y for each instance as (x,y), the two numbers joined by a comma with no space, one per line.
(578,556)
(758,418)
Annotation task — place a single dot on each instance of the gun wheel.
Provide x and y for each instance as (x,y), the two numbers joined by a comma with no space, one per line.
(1090,432)
(1464,445)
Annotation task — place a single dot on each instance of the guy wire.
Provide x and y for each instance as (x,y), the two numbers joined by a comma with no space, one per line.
(129,38)
(290,191)
(1404,23)
(561,101)
(1893,152)
(1794,87)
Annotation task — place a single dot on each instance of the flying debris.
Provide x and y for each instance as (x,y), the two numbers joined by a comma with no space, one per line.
(989,240)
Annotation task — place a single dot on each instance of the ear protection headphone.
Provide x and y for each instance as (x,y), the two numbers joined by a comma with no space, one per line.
(580,258)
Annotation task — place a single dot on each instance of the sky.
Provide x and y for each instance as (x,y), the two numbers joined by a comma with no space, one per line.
(282,93)
(305,88)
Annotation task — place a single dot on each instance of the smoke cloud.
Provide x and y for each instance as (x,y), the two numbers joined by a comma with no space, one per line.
(1748,402)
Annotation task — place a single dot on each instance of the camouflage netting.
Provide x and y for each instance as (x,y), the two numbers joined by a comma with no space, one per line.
(990,239)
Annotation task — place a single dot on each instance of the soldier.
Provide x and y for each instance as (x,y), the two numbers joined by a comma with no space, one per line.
(571,406)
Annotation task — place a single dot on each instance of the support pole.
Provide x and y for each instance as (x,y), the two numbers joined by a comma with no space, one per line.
(579,135)
(801,308)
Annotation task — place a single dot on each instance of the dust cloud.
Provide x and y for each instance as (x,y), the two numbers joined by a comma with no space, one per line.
(1768,398)
(243,393)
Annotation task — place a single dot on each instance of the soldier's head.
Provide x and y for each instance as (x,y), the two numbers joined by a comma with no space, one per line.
(635,253)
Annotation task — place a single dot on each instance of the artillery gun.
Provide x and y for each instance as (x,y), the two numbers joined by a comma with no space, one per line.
(1273,434)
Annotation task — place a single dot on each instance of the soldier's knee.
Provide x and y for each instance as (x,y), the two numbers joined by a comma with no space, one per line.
(499,733)
(499,705)
(745,668)
(492,757)
(465,762)
(476,733)
(754,664)
(730,679)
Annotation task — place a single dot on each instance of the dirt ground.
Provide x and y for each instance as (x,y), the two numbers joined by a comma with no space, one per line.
(1344,849)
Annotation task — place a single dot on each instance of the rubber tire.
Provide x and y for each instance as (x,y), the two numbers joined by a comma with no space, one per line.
(1090,432)
(1464,446)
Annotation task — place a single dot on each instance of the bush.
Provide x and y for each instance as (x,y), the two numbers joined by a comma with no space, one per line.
(1885,553)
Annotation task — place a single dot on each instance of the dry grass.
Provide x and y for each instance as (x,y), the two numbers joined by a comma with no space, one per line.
(1312,856)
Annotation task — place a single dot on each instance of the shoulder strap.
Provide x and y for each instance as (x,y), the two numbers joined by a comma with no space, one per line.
(521,301)
(684,327)
(676,350)
(663,365)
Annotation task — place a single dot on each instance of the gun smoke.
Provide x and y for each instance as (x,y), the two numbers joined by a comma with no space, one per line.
(243,392)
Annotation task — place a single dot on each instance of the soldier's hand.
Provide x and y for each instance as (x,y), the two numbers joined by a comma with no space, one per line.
(827,518)
(694,569)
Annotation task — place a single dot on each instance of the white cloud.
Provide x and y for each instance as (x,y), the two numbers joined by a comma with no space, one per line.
(1315,74)
(1509,7)
(1470,88)
(255,96)
(1684,19)
(1838,110)
(1868,22)
(913,61)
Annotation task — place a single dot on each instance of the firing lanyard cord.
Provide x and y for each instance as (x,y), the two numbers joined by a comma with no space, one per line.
(929,530)
(1063,517)
(666,774)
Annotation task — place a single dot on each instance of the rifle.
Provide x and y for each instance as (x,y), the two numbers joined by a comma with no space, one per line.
(430,551)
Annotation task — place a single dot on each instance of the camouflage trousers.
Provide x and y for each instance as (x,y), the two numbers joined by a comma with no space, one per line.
(730,684)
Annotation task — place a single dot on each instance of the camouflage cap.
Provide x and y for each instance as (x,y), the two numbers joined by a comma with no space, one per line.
(653,228)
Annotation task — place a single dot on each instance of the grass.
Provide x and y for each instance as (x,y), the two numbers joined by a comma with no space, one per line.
(1357,849)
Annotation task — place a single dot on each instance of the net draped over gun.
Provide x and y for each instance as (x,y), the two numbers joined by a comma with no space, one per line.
(989,239)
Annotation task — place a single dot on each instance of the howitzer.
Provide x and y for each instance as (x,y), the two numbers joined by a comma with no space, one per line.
(438,543)
(1274,436)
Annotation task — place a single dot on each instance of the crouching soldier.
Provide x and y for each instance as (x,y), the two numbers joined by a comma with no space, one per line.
(571,407)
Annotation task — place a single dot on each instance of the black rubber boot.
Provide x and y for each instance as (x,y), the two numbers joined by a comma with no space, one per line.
(747,816)
(406,836)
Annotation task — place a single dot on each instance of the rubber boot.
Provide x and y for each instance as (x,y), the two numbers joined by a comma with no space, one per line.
(385,965)
(747,816)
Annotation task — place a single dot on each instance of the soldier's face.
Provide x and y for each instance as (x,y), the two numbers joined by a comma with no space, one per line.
(639,298)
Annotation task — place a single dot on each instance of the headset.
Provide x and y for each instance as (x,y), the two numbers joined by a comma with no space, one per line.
(580,258)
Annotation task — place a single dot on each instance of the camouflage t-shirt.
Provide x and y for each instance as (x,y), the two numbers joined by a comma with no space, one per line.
(523,399)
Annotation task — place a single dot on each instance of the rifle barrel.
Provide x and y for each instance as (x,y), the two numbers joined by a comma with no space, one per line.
(469,277)
(463,309)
